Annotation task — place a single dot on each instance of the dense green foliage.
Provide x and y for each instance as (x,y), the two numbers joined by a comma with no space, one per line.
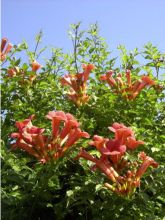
(67,188)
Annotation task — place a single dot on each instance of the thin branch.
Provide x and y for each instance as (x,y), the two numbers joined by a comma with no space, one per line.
(38,38)
(157,71)
(75,48)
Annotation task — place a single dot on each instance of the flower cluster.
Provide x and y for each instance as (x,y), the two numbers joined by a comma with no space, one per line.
(5,48)
(65,133)
(17,71)
(124,85)
(124,175)
(78,85)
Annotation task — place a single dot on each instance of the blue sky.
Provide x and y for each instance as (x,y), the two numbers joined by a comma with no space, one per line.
(129,22)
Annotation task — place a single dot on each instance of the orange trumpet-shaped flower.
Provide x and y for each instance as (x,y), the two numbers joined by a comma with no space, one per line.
(5,48)
(12,72)
(124,85)
(101,165)
(121,132)
(114,149)
(56,118)
(109,78)
(65,133)
(16,71)
(35,66)
(32,78)
(112,162)
(27,136)
(132,143)
(78,85)
(147,161)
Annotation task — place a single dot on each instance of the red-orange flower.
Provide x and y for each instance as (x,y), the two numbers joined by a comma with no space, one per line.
(65,133)
(115,148)
(124,175)
(147,161)
(35,66)
(109,78)
(121,132)
(27,138)
(5,48)
(78,85)
(116,151)
(32,78)
(140,84)
(123,84)
(16,71)
(100,164)
(12,72)
(132,143)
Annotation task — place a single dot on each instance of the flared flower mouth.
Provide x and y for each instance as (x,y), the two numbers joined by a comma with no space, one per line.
(148,80)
